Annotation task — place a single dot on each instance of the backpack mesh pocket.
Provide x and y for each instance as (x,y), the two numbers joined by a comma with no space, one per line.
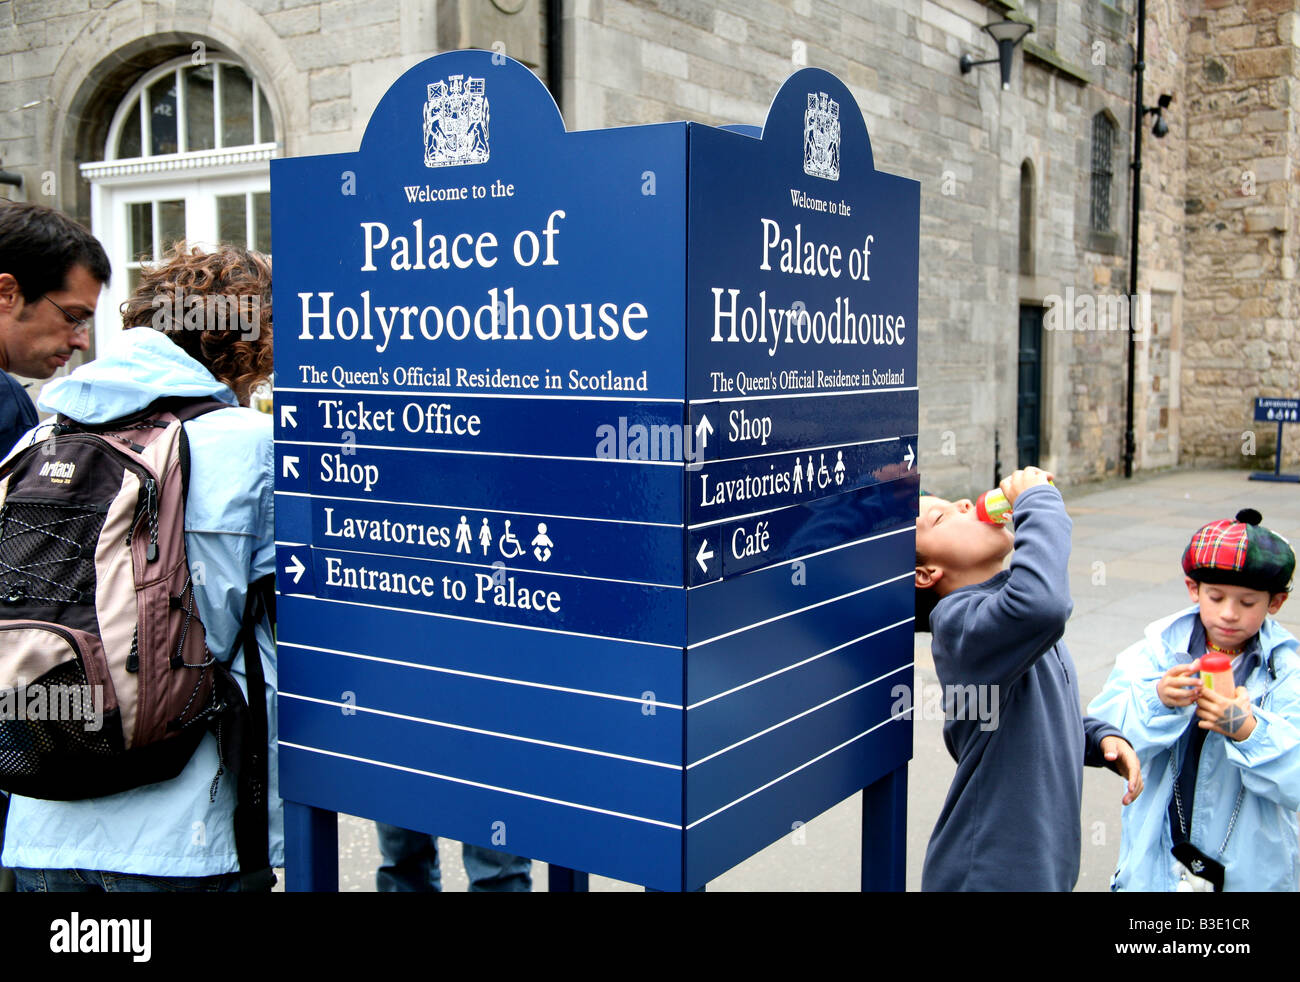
(47,553)
(53,718)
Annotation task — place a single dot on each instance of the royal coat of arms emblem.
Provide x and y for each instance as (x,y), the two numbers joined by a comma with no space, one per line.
(821,137)
(456,123)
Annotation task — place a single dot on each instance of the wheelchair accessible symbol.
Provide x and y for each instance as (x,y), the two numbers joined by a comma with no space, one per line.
(509,545)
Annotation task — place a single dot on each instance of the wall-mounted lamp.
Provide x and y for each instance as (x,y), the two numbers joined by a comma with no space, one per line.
(1161,128)
(1007,33)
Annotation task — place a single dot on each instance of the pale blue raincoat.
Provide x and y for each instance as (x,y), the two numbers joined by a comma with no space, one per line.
(1262,851)
(172,828)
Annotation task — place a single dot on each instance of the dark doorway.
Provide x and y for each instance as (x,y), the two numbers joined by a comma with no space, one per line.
(1029,393)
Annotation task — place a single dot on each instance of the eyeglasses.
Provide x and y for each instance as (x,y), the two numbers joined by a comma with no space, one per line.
(79,324)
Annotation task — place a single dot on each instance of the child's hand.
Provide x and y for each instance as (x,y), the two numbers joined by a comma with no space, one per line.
(1180,686)
(1124,761)
(1233,717)
(1022,480)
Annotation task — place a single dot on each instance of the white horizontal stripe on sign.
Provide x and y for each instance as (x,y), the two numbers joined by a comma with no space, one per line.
(910,574)
(795,770)
(805,395)
(798,664)
(478,784)
(810,709)
(906,529)
(472,729)
(475,453)
(495,511)
(799,450)
(477,395)
(486,678)
(326,547)
(479,620)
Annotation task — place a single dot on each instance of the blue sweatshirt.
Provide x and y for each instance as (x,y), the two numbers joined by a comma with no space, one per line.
(1011,820)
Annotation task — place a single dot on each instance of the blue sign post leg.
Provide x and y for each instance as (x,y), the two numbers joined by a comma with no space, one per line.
(311,849)
(1277,474)
(561,879)
(884,833)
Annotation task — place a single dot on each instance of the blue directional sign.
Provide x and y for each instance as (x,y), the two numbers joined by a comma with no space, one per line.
(595,473)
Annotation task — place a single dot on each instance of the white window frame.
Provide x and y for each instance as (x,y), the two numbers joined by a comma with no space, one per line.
(198,177)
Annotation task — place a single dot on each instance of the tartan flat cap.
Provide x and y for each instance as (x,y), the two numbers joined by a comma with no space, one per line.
(1240,552)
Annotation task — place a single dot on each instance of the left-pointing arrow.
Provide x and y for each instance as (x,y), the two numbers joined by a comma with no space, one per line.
(286,416)
(704,555)
(290,468)
(296,568)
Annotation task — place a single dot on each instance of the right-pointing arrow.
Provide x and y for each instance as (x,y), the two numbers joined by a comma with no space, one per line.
(296,568)
(704,555)
(910,456)
(289,466)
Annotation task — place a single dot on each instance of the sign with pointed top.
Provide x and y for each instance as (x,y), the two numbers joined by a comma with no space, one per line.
(595,484)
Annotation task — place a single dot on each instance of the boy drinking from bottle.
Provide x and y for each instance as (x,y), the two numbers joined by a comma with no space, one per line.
(1011,820)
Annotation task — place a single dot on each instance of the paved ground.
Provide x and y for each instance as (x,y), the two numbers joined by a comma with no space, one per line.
(1128,538)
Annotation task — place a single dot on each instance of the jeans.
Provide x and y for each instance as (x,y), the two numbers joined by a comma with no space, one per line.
(103,881)
(411,865)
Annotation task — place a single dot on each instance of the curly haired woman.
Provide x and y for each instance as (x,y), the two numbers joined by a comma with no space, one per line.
(199,326)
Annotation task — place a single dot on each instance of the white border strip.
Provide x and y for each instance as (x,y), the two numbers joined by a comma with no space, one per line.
(799,664)
(795,770)
(422,393)
(808,395)
(803,450)
(479,784)
(800,610)
(486,678)
(325,547)
(494,511)
(471,729)
(810,709)
(479,620)
(281,442)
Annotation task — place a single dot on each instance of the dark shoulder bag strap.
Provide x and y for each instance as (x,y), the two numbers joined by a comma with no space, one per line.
(252,813)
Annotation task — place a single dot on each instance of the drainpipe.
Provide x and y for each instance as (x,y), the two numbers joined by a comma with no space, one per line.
(1139,119)
(555,51)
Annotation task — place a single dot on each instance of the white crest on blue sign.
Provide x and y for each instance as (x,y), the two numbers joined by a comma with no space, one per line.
(821,137)
(456,123)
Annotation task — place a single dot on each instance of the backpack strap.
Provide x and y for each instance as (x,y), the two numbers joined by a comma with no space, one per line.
(252,818)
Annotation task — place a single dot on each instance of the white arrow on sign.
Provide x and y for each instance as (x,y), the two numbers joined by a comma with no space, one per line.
(702,430)
(910,456)
(287,417)
(704,555)
(296,568)
(289,467)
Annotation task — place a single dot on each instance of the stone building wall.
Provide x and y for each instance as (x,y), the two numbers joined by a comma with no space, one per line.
(1240,338)
(65,64)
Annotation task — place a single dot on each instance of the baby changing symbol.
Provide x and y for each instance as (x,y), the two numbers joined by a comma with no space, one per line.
(839,467)
(542,543)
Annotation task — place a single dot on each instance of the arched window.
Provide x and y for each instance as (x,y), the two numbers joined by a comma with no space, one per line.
(186,158)
(1103,153)
(1026,219)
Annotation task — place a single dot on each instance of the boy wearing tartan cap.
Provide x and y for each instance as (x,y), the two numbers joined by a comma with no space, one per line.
(1222,770)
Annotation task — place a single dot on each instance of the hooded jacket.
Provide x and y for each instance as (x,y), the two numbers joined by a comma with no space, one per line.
(178,827)
(1262,850)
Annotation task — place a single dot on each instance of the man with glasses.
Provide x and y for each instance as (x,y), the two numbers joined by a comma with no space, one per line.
(51,272)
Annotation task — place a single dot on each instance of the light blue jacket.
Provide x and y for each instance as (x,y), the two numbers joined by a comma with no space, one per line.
(1262,850)
(172,828)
